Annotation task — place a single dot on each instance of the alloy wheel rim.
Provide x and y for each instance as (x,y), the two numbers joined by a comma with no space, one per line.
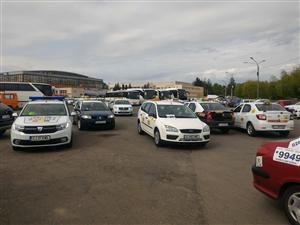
(294,206)
(250,129)
(156,137)
(139,127)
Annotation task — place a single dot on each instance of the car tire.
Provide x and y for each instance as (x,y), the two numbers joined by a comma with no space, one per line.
(80,125)
(2,132)
(250,129)
(157,140)
(224,130)
(139,128)
(284,133)
(290,201)
(15,148)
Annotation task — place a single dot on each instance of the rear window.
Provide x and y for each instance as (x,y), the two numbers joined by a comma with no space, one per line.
(270,107)
(212,106)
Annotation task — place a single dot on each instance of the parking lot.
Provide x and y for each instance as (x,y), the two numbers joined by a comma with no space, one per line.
(120,177)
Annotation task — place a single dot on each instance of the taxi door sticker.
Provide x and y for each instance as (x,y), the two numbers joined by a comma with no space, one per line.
(253,110)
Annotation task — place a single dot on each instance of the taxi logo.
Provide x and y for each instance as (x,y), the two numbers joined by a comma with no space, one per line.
(39,129)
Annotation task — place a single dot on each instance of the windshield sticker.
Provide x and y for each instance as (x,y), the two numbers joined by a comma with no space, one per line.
(41,119)
(287,156)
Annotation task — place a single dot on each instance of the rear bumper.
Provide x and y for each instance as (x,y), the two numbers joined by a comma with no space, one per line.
(220,124)
(257,171)
(268,126)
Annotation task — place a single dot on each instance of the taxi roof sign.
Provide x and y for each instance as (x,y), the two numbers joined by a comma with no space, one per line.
(57,98)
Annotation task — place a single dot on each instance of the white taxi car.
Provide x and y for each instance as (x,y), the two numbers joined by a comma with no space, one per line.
(258,116)
(42,123)
(122,107)
(169,121)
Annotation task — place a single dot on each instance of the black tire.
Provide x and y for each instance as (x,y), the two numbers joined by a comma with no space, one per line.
(2,132)
(15,148)
(157,140)
(69,145)
(139,128)
(224,130)
(288,202)
(80,125)
(284,133)
(250,129)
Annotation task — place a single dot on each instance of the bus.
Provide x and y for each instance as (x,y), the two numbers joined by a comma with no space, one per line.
(133,96)
(178,93)
(25,89)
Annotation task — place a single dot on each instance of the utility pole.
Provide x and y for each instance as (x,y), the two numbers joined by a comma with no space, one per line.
(257,73)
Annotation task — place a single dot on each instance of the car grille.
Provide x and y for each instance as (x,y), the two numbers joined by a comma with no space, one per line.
(190,131)
(35,129)
(123,108)
(99,117)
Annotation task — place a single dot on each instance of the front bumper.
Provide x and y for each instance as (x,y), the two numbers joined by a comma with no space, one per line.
(93,123)
(20,139)
(178,137)
(123,112)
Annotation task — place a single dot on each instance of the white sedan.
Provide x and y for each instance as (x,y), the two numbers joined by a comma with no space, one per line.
(122,107)
(169,121)
(257,116)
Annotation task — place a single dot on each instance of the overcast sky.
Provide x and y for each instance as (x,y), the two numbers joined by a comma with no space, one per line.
(151,41)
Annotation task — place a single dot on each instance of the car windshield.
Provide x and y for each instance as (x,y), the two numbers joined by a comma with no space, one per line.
(122,102)
(212,106)
(44,110)
(149,94)
(94,106)
(269,107)
(133,95)
(177,111)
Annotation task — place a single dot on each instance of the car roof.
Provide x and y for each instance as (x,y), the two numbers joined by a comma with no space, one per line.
(165,102)
(46,102)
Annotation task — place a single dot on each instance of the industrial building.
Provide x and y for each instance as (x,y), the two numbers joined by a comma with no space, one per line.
(58,79)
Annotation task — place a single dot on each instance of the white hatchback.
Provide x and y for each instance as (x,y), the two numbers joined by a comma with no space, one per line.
(169,121)
(42,123)
(122,107)
(257,116)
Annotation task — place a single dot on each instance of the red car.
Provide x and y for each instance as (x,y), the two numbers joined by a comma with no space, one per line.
(277,174)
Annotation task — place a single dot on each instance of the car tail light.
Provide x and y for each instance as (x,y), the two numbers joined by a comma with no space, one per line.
(209,116)
(261,116)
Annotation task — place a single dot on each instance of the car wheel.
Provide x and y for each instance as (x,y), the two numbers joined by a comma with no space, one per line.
(224,130)
(139,128)
(80,125)
(284,133)
(250,130)
(157,139)
(2,132)
(291,204)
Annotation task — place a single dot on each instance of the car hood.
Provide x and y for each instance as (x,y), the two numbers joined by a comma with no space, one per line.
(41,120)
(123,106)
(102,113)
(183,123)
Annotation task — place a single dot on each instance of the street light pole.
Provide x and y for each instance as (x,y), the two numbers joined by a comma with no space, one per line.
(257,73)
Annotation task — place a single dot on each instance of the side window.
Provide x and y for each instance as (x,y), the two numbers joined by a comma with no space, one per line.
(147,107)
(192,106)
(186,104)
(238,109)
(152,110)
(143,107)
(247,108)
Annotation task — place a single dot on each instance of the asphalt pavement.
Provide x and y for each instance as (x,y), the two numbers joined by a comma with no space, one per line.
(120,177)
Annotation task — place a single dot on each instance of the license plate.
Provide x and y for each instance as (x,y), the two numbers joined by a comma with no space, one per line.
(278,126)
(6,117)
(287,155)
(100,122)
(40,138)
(192,138)
(223,124)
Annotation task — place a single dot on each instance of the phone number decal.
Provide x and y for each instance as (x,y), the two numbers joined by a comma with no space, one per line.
(287,155)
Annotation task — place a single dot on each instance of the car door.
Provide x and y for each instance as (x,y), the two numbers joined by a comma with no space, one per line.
(244,115)
(152,115)
(237,116)
(144,116)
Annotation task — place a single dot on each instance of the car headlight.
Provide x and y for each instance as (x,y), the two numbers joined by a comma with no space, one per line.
(86,117)
(111,116)
(62,126)
(18,127)
(171,129)
(206,128)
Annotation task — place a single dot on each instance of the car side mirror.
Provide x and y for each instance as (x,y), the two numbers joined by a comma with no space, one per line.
(73,113)
(15,114)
